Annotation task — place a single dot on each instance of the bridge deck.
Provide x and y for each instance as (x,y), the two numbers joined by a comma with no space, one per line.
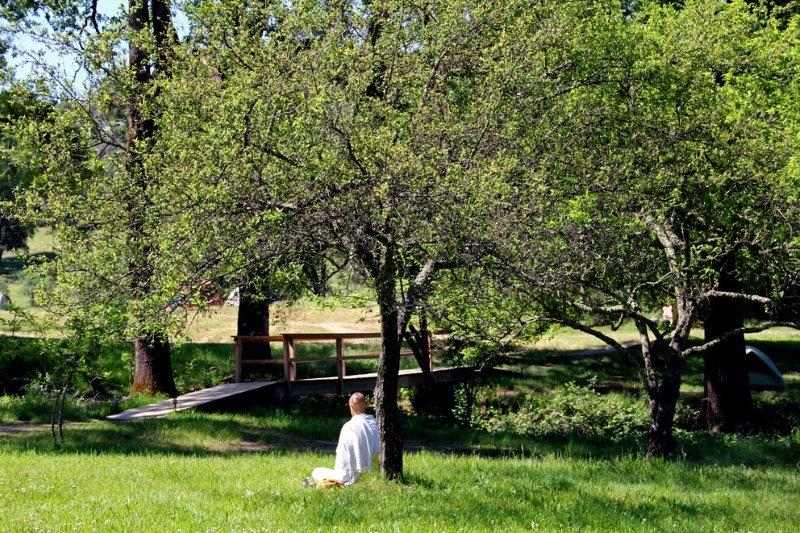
(232,393)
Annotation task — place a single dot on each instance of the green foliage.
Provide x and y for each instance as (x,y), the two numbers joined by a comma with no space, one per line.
(17,105)
(21,361)
(567,411)
(35,406)
(691,127)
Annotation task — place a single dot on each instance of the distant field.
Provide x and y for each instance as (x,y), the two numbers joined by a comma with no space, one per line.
(215,326)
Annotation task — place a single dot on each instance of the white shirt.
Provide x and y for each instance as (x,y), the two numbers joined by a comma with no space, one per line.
(358,442)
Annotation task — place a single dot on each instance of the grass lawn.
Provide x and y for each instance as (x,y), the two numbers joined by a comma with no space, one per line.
(222,472)
(554,444)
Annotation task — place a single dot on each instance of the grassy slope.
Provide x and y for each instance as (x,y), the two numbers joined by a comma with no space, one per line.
(188,473)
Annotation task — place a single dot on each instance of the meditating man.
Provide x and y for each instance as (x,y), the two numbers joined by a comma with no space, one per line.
(358,442)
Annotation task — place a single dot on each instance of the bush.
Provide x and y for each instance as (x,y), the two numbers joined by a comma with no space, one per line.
(436,400)
(570,410)
(36,405)
(21,361)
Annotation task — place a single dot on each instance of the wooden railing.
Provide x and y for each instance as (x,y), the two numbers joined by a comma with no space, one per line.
(289,361)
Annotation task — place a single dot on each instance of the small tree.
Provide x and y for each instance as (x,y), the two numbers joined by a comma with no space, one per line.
(375,128)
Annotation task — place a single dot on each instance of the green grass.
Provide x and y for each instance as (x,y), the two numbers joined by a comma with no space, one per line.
(190,472)
(444,493)
(549,472)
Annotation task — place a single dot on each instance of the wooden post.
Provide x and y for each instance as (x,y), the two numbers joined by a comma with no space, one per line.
(237,360)
(292,364)
(287,376)
(339,365)
(426,350)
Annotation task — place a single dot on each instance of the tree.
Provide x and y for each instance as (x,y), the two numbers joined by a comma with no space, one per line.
(376,129)
(93,188)
(153,367)
(16,105)
(674,163)
(728,401)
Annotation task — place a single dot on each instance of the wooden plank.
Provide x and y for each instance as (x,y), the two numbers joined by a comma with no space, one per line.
(270,338)
(261,362)
(191,400)
(426,351)
(376,355)
(286,374)
(331,336)
(292,364)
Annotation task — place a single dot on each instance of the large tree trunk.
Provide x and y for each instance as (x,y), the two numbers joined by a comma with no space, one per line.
(153,368)
(727,385)
(253,320)
(152,354)
(386,385)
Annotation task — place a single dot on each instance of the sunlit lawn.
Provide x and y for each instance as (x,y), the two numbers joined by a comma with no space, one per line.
(191,473)
(242,472)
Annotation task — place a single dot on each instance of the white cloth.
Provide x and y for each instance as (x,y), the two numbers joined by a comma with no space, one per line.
(325,474)
(358,442)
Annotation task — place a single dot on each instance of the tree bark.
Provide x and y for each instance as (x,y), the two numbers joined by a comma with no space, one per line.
(660,440)
(386,385)
(153,368)
(727,385)
(164,35)
(662,380)
(316,272)
(253,320)
(152,354)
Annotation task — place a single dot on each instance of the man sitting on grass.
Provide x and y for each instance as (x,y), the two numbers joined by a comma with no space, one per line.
(358,442)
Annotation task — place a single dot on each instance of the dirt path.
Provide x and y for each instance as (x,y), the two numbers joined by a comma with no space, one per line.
(10,429)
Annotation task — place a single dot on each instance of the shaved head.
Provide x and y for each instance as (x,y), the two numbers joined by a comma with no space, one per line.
(357,403)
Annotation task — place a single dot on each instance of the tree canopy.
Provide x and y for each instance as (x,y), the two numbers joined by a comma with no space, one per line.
(509,166)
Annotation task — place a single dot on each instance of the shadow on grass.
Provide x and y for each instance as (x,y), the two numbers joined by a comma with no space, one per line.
(272,431)
(608,369)
(617,371)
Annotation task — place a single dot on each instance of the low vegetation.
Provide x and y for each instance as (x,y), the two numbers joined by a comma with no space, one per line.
(195,471)
(553,441)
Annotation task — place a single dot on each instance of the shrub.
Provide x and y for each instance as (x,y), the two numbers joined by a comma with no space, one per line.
(21,361)
(570,410)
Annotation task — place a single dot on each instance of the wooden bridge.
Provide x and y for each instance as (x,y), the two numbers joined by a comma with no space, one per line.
(277,390)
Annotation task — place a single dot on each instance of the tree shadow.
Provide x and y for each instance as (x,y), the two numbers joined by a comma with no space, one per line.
(14,264)
(608,370)
(217,434)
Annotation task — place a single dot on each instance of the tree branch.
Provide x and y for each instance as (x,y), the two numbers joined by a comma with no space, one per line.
(591,331)
(738,331)
(754,298)
(419,288)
